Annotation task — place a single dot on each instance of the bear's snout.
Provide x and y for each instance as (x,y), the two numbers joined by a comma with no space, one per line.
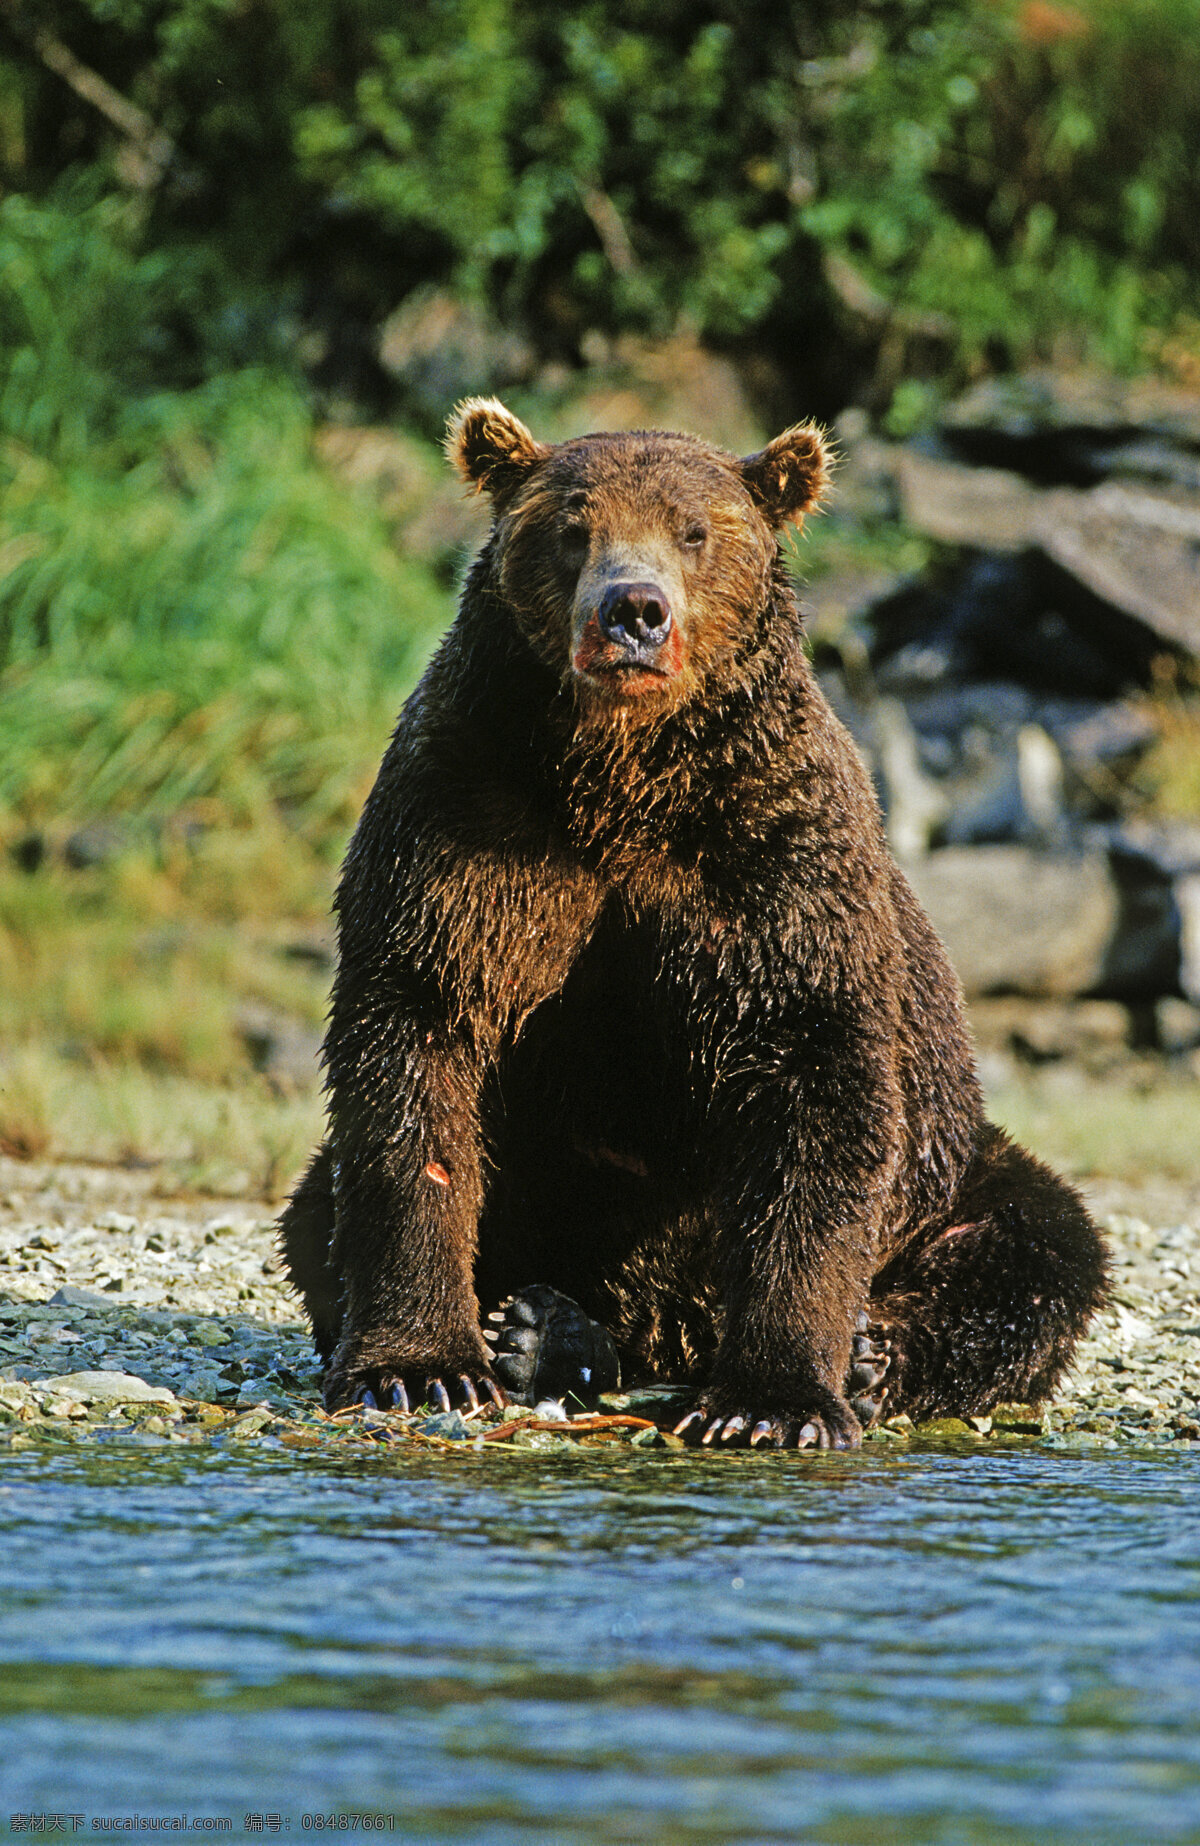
(628,639)
(635,617)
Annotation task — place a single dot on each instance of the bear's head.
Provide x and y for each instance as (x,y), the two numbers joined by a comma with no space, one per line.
(637,562)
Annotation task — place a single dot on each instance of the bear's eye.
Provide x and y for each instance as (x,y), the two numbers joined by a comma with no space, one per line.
(695,535)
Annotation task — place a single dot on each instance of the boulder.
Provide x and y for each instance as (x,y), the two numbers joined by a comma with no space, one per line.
(439,349)
(1068,425)
(988,508)
(1136,551)
(1016,920)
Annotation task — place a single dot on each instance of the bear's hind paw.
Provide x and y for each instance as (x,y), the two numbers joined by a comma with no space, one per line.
(545,1346)
(873,1357)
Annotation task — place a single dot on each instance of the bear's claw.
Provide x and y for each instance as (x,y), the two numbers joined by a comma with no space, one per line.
(390,1392)
(812,1432)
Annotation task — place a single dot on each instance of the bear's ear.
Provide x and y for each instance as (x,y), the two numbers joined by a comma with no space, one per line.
(789,476)
(490,447)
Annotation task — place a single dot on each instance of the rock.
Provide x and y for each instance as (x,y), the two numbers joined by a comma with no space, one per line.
(844,599)
(1093,1033)
(914,806)
(1019,796)
(1111,738)
(206,1334)
(107,1388)
(1136,552)
(68,1296)
(668,384)
(1145,460)
(1032,405)
(282,1048)
(645,1400)
(1021,921)
(439,349)
(1047,421)
(539,1439)
(450,1426)
(941,1428)
(986,508)
(1053,923)
(1017,1419)
(116,1221)
(256,1394)
(252,1424)
(998,618)
(867,488)
(965,728)
(96,844)
(1171,847)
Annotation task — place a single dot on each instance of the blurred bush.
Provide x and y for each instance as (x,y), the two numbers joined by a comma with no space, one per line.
(988,177)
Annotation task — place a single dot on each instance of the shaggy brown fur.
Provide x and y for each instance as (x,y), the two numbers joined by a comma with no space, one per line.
(632,999)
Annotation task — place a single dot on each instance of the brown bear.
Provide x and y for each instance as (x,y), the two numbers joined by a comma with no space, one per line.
(632,1000)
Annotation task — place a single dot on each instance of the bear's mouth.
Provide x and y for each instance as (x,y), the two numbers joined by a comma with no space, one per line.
(625,669)
(624,677)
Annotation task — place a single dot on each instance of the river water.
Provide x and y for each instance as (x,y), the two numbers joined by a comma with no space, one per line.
(991,1647)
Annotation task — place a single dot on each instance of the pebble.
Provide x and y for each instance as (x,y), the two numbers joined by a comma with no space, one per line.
(106,1388)
(451,1426)
(179,1316)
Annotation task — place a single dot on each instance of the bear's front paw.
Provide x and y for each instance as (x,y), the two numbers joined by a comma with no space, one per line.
(403,1388)
(544,1345)
(832,1426)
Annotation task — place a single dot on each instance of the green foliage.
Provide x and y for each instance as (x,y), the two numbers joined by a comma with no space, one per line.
(582,164)
(1022,171)
(1022,168)
(193,615)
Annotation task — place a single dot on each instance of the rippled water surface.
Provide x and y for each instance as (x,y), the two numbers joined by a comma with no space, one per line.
(991,1647)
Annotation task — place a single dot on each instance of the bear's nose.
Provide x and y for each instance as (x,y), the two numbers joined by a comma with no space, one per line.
(635,615)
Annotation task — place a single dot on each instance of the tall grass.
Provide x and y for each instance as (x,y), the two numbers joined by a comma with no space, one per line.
(195,617)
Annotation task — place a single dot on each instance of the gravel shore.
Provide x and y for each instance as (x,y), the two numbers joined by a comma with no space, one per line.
(168,1320)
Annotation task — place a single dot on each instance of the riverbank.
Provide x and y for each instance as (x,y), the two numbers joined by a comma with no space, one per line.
(129,1315)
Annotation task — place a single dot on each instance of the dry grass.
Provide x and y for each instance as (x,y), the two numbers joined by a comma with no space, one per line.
(1119,1127)
(153,963)
(240,1137)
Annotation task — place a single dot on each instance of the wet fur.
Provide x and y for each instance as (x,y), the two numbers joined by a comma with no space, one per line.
(642,979)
